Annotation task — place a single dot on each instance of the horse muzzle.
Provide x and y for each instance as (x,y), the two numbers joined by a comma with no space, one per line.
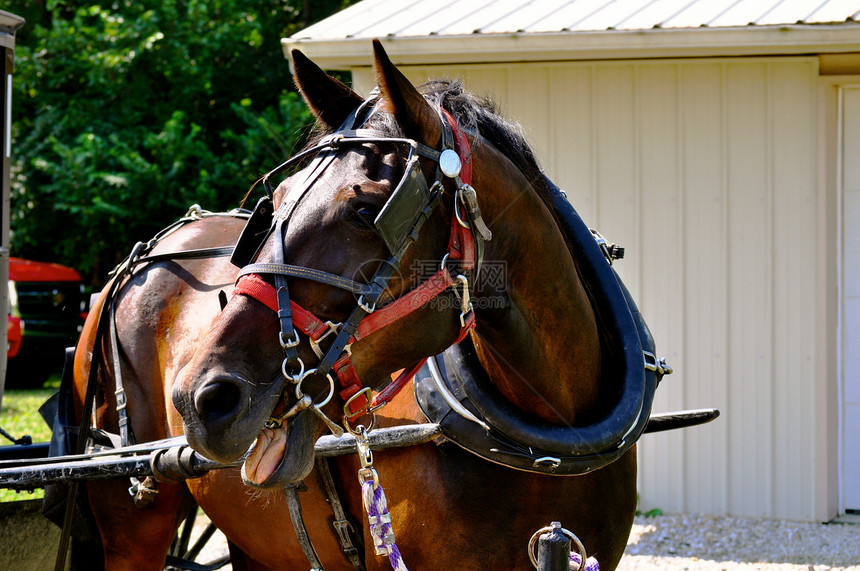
(220,414)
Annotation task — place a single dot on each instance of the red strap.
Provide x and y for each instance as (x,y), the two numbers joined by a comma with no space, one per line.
(461,244)
(461,145)
(350,385)
(388,393)
(405,304)
(254,286)
(385,395)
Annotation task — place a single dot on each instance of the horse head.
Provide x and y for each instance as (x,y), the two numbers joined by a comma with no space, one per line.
(358,267)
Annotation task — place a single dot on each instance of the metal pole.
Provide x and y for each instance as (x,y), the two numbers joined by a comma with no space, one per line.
(9,25)
(553,550)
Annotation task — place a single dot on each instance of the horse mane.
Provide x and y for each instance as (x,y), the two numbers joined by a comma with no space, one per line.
(481,115)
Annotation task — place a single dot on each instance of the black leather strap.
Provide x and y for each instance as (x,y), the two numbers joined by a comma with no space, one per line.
(350,541)
(288,270)
(295,508)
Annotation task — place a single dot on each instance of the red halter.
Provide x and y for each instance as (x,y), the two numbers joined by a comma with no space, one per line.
(461,247)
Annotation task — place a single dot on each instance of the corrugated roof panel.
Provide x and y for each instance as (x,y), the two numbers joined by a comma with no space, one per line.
(522,18)
(834,11)
(345,23)
(651,14)
(783,12)
(431,23)
(423,19)
(567,16)
(469,17)
(397,19)
(743,13)
(607,16)
(418,18)
(697,13)
(504,16)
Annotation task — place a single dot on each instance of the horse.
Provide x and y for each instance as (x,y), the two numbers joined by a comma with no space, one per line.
(162,300)
(383,227)
(161,306)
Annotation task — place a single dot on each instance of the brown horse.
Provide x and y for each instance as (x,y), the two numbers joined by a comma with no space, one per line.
(162,310)
(345,241)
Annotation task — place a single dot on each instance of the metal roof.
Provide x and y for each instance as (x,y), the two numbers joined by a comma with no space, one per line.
(9,25)
(417,18)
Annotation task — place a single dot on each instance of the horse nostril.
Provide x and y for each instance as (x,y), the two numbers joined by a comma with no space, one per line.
(216,399)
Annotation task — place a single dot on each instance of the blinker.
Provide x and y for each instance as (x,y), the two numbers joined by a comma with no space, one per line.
(397,218)
(254,234)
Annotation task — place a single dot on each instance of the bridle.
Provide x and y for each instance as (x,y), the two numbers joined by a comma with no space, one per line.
(399,224)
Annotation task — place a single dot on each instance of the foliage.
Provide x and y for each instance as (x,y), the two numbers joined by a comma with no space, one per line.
(654,512)
(127,112)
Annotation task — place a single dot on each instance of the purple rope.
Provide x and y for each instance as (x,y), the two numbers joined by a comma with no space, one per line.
(377,510)
(590,563)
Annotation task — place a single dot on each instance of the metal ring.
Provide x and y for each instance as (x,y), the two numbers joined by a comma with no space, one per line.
(457,212)
(569,534)
(309,372)
(297,378)
(357,430)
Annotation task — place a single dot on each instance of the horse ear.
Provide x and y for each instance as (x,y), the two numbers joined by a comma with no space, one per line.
(399,97)
(329,100)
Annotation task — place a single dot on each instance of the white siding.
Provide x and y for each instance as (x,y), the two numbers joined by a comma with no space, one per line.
(851,298)
(705,170)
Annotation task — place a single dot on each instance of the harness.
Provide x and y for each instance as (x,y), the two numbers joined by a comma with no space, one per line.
(399,224)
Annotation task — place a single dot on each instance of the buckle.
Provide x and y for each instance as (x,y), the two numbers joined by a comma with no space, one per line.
(366,393)
(286,342)
(368,308)
(315,343)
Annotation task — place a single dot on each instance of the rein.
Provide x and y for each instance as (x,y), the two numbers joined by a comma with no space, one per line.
(399,224)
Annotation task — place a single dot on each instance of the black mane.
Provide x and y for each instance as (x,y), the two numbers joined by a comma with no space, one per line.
(481,115)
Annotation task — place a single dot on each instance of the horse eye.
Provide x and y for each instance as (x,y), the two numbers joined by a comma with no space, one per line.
(366,212)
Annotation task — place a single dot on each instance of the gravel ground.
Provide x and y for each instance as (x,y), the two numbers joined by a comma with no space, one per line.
(710,543)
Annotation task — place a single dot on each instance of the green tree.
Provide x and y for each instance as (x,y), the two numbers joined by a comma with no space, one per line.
(127,112)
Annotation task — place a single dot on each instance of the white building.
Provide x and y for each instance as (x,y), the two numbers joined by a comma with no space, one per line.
(719,142)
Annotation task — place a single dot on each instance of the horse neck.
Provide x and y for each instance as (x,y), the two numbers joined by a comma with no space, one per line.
(542,351)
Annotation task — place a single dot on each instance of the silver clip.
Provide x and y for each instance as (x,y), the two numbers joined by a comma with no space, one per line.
(470,200)
(659,366)
(548,461)
(465,300)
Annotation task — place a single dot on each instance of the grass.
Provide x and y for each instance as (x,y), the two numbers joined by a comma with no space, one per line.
(20,416)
